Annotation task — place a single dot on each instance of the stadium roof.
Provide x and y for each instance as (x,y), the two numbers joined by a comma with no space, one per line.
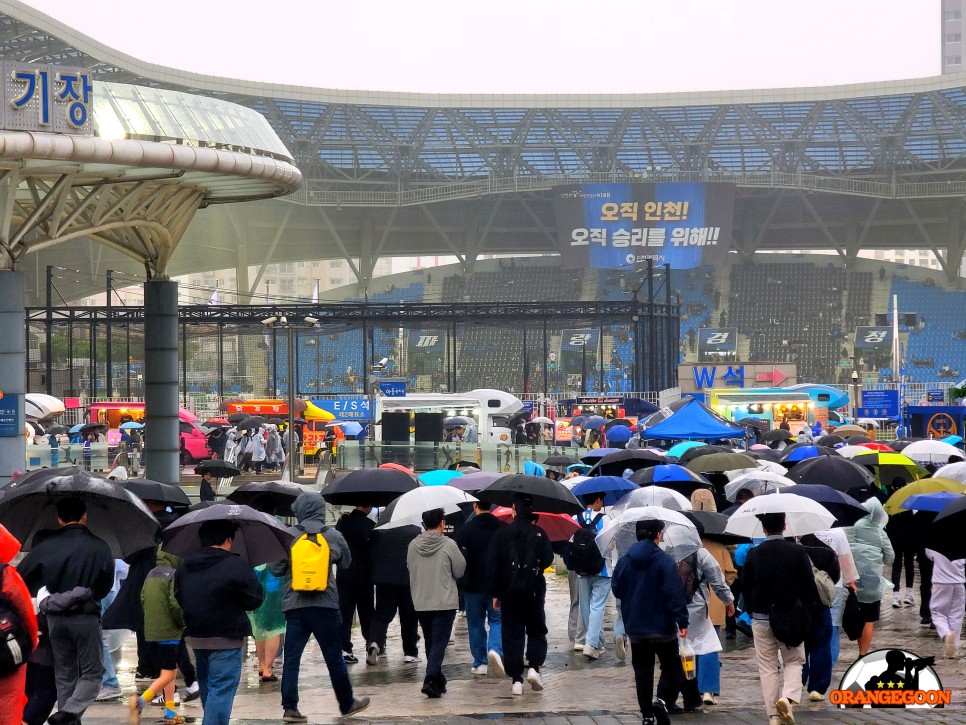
(428,173)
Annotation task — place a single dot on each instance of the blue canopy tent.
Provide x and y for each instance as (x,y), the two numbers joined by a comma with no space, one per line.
(689,419)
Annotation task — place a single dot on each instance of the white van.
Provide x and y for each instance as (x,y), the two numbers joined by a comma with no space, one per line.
(490,410)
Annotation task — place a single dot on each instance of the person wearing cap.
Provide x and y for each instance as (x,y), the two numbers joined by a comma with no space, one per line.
(777,576)
(517,557)
(655,613)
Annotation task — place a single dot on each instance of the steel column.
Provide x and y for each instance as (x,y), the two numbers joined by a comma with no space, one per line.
(161,379)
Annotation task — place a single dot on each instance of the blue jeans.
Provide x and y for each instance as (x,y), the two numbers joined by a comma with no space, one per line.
(219,671)
(326,626)
(709,671)
(110,676)
(593,599)
(817,670)
(479,610)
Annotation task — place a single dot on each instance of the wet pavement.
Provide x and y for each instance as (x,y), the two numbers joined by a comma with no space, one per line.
(577,691)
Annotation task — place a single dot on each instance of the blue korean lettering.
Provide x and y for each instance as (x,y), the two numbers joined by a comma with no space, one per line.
(735,376)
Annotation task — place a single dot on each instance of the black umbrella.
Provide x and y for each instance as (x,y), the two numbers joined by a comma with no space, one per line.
(830,441)
(154,491)
(548,495)
(777,436)
(236,418)
(270,497)
(856,440)
(945,534)
(900,443)
(369,487)
(843,507)
(218,468)
(558,459)
(275,421)
(753,423)
(711,525)
(614,464)
(765,454)
(617,421)
(833,471)
(691,453)
(252,422)
(57,429)
(260,539)
(113,514)
(202,505)
(88,427)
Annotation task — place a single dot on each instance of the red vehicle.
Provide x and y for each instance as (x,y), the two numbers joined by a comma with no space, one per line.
(194,439)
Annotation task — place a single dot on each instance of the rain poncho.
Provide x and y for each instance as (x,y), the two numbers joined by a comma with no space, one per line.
(701,632)
(269,619)
(872,551)
(274,452)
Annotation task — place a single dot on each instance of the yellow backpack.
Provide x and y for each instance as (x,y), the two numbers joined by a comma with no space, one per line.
(310,563)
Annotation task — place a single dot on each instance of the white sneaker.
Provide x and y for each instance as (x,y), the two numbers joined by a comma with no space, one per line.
(591,652)
(784,707)
(774,720)
(159,700)
(517,688)
(620,650)
(536,682)
(108,693)
(896,601)
(909,601)
(496,663)
(479,670)
(192,692)
(411,659)
(950,649)
(578,646)
(815,696)
(708,698)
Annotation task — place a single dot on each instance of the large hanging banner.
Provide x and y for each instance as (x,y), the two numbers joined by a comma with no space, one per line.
(614,226)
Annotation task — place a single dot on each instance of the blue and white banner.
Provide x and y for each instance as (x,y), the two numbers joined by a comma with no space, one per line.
(618,226)
(348,408)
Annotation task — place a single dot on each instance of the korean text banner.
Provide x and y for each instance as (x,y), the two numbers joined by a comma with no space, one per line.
(612,226)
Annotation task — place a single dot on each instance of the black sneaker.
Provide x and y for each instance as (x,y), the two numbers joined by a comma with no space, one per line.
(293,715)
(350,659)
(648,720)
(661,716)
(431,688)
(358,705)
(372,655)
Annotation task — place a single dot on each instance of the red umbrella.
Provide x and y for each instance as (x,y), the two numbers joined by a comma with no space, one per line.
(398,467)
(558,527)
(876,446)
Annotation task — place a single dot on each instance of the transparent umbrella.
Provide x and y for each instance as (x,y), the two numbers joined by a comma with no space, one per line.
(653,496)
(679,539)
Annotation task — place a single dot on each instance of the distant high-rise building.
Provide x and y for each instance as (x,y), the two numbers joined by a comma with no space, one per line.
(953,28)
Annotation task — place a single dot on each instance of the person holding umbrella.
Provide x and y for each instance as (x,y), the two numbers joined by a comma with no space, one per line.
(77,569)
(216,589)
(518,555)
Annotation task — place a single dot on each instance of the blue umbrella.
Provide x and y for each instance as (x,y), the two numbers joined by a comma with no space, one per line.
(352,428)
(439,477)
(578,468)
(578,421)
(801,453)
(131,425)
(670,473)
(76,428)
(594,422)
(619,434)
(678,449)
(952,440)
(930,501)
(614,488)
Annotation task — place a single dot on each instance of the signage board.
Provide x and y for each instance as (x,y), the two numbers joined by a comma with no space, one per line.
(873,338)
(46,98)
(697,378)
(11,419)
(716,342)
(879,404)
(622,226)
(348,408)
(393,388)
(936,396)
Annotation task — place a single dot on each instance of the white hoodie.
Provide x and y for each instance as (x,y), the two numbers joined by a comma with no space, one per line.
(945,571)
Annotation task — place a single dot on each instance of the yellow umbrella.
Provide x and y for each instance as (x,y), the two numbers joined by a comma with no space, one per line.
(925,485)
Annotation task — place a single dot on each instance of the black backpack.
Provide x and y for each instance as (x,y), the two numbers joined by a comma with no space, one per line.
(524,573)
(585,556)
(16,644)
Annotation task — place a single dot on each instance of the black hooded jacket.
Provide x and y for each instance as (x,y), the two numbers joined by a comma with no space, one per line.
(215,589)
(475,539)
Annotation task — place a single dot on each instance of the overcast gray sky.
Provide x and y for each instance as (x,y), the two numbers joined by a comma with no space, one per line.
(524,46)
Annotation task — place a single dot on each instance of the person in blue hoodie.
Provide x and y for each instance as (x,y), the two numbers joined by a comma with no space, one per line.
(655,612)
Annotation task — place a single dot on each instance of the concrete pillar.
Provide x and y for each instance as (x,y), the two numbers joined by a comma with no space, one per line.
(162,443)
(13,374)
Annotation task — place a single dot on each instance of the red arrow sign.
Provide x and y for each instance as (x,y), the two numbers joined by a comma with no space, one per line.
(776,377)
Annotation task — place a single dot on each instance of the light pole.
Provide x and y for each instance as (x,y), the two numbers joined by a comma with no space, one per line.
(855,395)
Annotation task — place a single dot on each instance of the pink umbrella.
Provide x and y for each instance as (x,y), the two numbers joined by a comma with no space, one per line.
(558,527)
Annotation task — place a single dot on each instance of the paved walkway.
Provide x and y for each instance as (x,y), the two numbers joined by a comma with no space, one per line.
(577,691)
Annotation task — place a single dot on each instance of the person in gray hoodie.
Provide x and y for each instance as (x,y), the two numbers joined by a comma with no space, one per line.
(315,613)
(435,563)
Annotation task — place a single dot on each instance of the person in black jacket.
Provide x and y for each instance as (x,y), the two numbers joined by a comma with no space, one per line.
(77,568)
(355,582)
(654,608)
(518,555)
(817,670)
(475,539)
(777,576)
(215,589)
(390,574)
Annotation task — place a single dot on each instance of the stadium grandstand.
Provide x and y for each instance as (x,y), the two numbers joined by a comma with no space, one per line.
(837,172)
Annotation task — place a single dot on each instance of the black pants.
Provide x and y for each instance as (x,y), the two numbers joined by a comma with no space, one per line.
(146,664)
(437,627)
(355,595)
(904,558)
(185,664)
(391,598)
(524,624)
(925,583)
(672,679)
(41,693)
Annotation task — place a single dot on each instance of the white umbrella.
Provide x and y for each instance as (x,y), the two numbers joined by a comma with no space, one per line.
(407,510)
(571,482)
(680,537)
(867,421)
(541,420)
(763,465)
(758,482)
(955,471)
(802,516)
(849,451)
(653,496)
(932,451)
